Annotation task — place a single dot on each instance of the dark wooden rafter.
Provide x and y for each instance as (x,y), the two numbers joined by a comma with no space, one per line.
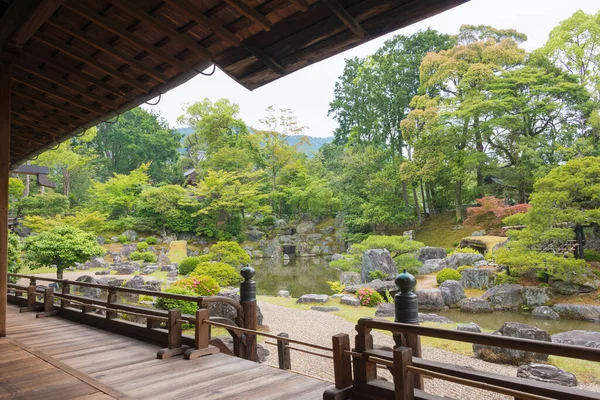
(250,13)
(148,19)
(346,18)
(28,137)
(81,74)
(29,125)
(67,84)
(35,116)
(50,90)
(42,97)
(92,62)
(105,22)
(35,120)
(302,5)
(198,16)
(43,106)
(89,39)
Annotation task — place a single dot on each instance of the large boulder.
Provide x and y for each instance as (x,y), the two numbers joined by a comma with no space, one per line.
(535,296)
(504,297)
(547,374)
(452,293)
(137,282)
(254,235)
(459,259)
(350,278)
(431,253)
(131,235)
(304,249)
(578,311)
(125,269)
(578,338)
(385,310)
(377,260)
(98,262)
(470,327)
(433,265)
(127,249)
(283,293)
(350,301)
(568,288)
(149,269)
(475,278)
(225,310)
(313,298)
(430,299)
(163,259)
(271,248)
(378,285)
(475,305)
(543,312)
(304,228)
(87,291)
(503,355)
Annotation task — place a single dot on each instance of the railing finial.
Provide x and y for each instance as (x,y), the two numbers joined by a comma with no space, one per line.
(406,303)
(248,286)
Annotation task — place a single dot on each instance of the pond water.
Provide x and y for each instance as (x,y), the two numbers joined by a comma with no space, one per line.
(493,321)
(298,276)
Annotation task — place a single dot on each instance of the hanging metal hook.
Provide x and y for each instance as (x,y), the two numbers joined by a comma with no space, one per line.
(158,101)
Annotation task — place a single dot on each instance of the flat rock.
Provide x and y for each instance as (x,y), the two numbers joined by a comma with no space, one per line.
(578,311)
(547,374)
(350,301)
(475,305)
(430,299)
(377,260)
(104,272)
(568,288)
(313,298)
(510,356)
(431,253)
(459,259)
(543,312)
(431,266)
(283,293)
(385,310)
(150,269)
(324,309)
(470,327)
(452,293)
(578,338)
(434,318)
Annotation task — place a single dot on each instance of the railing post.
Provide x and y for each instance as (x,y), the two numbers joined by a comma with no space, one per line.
(407,311)
(364,371)
(48,304)
(202,337)
(248,302)
(31,293)
(342,363)
(174,346)
(111,298)
(66,289)
(403,379)
(283,352)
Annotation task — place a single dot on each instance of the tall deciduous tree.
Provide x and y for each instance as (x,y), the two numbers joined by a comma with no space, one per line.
(119,195)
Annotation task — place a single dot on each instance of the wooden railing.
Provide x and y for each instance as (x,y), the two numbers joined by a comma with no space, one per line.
(161,325)
(356,369)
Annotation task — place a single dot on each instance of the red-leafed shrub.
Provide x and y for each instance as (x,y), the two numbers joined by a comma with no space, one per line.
(491,211)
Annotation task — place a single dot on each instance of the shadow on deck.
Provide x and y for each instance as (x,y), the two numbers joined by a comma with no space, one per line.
(106,365)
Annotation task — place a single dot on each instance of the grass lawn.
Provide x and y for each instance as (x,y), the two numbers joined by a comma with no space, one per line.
(437,231)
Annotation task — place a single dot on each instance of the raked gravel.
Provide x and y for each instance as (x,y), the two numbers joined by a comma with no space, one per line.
(318,328)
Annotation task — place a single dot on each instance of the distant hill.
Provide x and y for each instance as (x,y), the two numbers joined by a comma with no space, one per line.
(315,143)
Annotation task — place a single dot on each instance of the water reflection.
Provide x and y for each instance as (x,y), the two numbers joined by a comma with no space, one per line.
(298,276)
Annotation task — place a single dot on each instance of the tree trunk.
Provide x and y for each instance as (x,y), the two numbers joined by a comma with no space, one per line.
(433,202)
(458,200)
(27,185)
(42,190)
(66,182)
(480,149)
(405,195)
(417,207)
(426,211)
(429,203)
(59,273)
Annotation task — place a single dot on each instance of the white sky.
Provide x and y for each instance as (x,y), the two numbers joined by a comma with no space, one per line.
(309,91)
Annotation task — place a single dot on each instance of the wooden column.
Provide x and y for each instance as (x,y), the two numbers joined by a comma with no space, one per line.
(5,77)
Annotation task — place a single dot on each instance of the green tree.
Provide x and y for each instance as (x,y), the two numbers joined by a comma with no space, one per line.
(169,207)
(14,253)
(119,195)
(44,205)
(62,246)
(138,137)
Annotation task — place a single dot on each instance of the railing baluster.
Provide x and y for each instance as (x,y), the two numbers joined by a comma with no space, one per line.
(342,363)
(404,382)
(174,346)
(202,337)
(66,289)
(111,298)
(283,352)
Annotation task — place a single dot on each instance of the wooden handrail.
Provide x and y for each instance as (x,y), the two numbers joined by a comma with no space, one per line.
(564,350)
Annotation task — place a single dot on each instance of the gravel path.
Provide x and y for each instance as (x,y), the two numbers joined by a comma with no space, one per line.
(318,328)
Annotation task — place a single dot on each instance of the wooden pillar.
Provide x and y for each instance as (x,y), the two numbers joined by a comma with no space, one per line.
(283,352)
(248,302)
(5,77)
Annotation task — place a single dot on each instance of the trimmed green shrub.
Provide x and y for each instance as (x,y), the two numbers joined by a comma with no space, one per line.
(201,285)
(186,307)
(462,268)
(347,264)
(229,253)
(187,265)
(466,250)
(151,240)
(369,297)
(591,255)
(142,246)
(145,256)
(502,278)
(409,262)
(377,274)
(223,273)
(447,274)
(336,286)
(122,239)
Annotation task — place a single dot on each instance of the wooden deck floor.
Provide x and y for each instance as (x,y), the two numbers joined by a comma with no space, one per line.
(130,367)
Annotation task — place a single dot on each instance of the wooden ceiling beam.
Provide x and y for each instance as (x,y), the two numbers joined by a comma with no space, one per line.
(42,98)
(346,18)
(25,124)
(67,84)
(36,19)
(105,47)
(30,104)
(301,4)
(193,12)
(79,73)
(81,56)
(250,13)
(51,91)
(164,28)
(35,121)
(107,24)
(18,135)
(41,117)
